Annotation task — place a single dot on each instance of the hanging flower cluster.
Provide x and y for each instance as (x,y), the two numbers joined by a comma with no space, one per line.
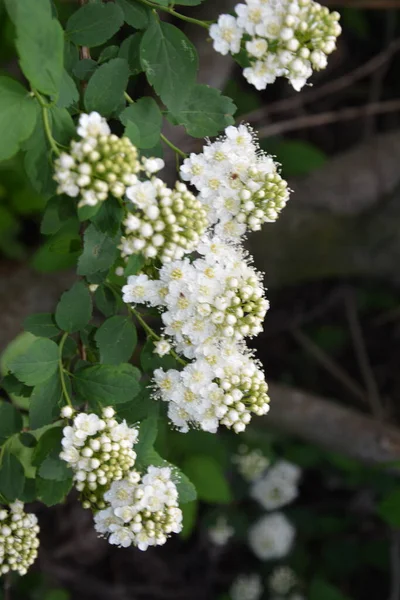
(282,38)
(141,511)
(278,487)
(19,541)
(161,222)
(99,451)
(271,536)
(238,183)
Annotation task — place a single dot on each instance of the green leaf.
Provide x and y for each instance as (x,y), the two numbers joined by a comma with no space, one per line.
(130,51)
(52,492)
(74,310)
(106,301)
(146,115)
(108,218)
(84,69)
(58,212)
(69,93)
(389,508)
(54,468)
(12,476)
(27,439)
(135,14)
(50,440)
(94,24)
(205,112)
(151,361)
(170,61)
(18,112)
(147,436)
(10,421)
(116,340)
(45,402)
(321,589)
(108,384)
(41,325)
(105,90)
(138,409)
(107,54)
(189,513)
(208,478)
(13,387)
(99,251)
(37,161)
(40,45)
(298,157)
(134,264)
(37,364)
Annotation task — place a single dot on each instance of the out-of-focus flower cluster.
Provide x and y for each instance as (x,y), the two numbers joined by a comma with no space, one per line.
(278,486)
(19,541)
(247,587)
(281,38)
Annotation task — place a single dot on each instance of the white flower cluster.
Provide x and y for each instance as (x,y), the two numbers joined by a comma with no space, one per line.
(223,388)
(271,536)
(99,164)
(161,222)
(221,532)
(282,580)
(19,541)
(251,464)
(278,487)
(99,451)
(282,38)
(217,296)
(247,587)
(238,183)
(142,511)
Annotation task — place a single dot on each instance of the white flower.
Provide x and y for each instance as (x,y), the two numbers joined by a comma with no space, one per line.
(67,412)
(226,34)
(141,290)
(277,487)
(153,165)
(271,537)
(250,464)
(221,532)
(247,587)
(162,347)
(92,125)
(18,539)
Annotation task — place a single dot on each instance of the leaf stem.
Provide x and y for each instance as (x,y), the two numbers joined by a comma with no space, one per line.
(61,369)
(46,121)
(171,11)
(177,150)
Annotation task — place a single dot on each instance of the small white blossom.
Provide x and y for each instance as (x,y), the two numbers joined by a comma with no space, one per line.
(162,347)
(226,35)
(278,487)
(221,532)
(67,412)
(18,539)
(271,537)
(251,464)
(247,587)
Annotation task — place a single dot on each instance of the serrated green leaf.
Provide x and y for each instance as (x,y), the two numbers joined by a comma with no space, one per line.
(41,325)
(170,62)
(52,492)
(105,90)
(99,251)
(147,117)
(37,161)
(107,384)
(53,468)
(108,218)
(84,69)
(116,340)
(134,264)
(37,364)
(138,409)
(135,14)
(12,476)
(106,301)
(68,93)
(74,310)
(27,439)
(45,402)
(40,45)
(18,113)
(47,442)
(10,421)
(130,51)
(94,24)
(13,387)
(208,478)
(205,112)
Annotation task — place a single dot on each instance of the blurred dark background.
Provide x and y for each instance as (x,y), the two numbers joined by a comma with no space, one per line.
(330,346)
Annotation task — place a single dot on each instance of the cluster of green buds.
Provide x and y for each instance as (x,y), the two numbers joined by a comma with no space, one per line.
(162,223)
(99,451)
(19,541)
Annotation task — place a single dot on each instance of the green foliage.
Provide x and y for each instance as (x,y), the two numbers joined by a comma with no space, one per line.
(322,589)
(116,340)
(10,421)
(107,384)
(105,90)
(74,310)
(37,364)
(12,476)
(147,118)
(135,14)
(170,62)
(41,325)
(94,24)
(204,112)
(208,478)
(389,508)
(18,114)
(45,402)
(99,251)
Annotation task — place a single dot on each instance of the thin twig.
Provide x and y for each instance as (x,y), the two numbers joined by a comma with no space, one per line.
(84,51)
(395,566)
(329,365)
(331,87)
(346,114)
(364,364)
